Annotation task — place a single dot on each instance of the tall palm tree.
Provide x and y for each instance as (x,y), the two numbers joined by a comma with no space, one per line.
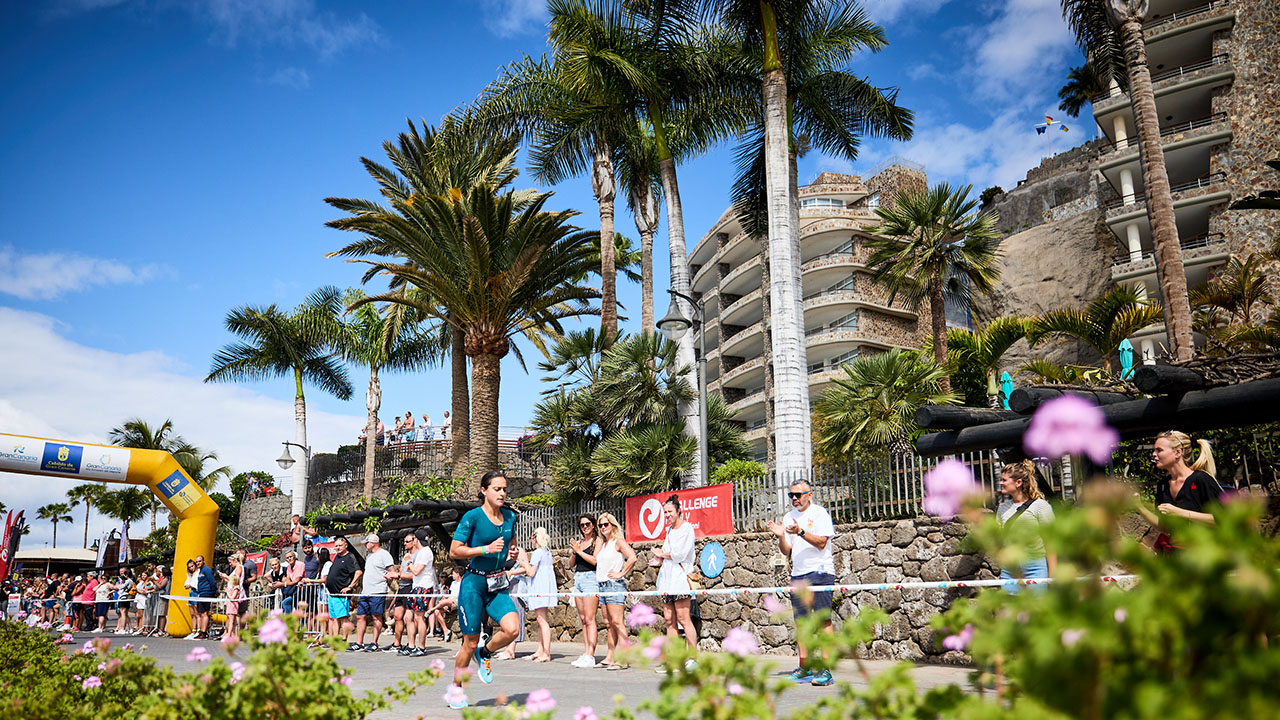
(137,434)
(280,344)
(1083,85)
(199,463)
(1110,32)
(931,246)
(983,347)
(1103,324)
(872,408)
(498,266)
(636,161)
(128,506)
(391,339)
(89,494)
(55,513)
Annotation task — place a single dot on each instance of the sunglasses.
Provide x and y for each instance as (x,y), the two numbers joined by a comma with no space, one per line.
(584,524)
(797,496)
(606,524)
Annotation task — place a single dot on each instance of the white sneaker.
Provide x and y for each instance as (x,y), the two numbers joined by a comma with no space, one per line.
(121,632)
(584,661)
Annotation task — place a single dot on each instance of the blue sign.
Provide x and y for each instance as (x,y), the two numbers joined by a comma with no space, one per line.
(62,458)
(178,490)
(712,560)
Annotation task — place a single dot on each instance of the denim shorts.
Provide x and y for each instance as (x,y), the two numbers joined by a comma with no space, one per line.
(613,586)
(585,581)
(1037,569)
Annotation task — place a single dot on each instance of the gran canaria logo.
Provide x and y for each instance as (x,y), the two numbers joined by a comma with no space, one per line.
(19,449)
(64,452)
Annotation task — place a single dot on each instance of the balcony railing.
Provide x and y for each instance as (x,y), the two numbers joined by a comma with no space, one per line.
(828,291)
(1191,243)
(1167,130)
(1216,4)
(1175,72)
(1200,182)
(831,328)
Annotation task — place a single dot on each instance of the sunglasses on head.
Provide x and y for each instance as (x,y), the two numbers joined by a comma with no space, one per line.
(798,495)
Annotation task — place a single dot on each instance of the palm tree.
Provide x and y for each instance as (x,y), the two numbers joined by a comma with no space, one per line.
(137,434)
(197,463)
(1110,32)
(90,494)
(55,513)
(872,408)
(931,246)
(1103,324)
(497,265)
(1083,85)
(636,162)
(128,506)
(983,347)
(279,344)
(391,340)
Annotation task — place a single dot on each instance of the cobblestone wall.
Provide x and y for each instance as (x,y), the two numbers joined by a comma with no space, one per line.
(264,516)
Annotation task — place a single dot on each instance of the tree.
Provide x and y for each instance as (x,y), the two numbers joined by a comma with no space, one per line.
(931,246)
(90,494)
(1083,85)
(497,265)
(982,348)
(636,162)
(280,344)
(872,408)
(128,505)
(1103,324)
(1110,33)
(55,513)
(391,339)
(137,434)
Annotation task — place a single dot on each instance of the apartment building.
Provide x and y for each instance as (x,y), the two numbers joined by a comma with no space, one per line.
(1213,66)
(845,312)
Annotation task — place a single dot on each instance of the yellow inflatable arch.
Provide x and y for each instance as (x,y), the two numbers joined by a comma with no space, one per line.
(196,512)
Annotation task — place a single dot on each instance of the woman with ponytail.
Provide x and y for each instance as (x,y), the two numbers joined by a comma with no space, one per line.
(1191,484)
(1023,514)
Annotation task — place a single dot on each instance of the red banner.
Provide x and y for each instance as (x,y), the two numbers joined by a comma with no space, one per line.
(710,509)
(4,549)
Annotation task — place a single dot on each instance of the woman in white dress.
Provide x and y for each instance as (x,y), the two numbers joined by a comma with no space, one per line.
(677,556)
(519,570)
(614,561)
(544,585)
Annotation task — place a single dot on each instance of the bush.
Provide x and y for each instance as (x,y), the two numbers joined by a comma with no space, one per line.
(735,471)
(269,674)
(541,500)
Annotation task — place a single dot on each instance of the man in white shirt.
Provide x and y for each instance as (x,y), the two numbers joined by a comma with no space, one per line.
(373,592)
(805,535)
(420,567)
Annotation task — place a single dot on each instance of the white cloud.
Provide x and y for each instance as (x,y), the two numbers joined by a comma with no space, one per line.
(1026,44)
(886,12)
(45,276)
(54,387)
(924,71)
(293,77)
(507,18)
(287,22)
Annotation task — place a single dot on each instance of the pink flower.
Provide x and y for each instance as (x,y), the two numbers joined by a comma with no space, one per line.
(199,654)
(654,649)
(959,642)
(346,680)
(101,644)
(540,701)
(237,672)
(585,713)
(92,681)
(230,641)
(1121,615)
(641,615)
(67,638)
(275,613)
(455,694)
(1071,425)
(772,605)
(273,631)
(46,625)
(437,665)
(734,689)
(1070,637)
(20,614)
(945,488)
(739,642)
(88,648)
(128,646)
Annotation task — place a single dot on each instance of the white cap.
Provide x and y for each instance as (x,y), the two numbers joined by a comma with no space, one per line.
(372,538)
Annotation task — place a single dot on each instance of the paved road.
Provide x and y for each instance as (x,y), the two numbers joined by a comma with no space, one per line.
(571,687)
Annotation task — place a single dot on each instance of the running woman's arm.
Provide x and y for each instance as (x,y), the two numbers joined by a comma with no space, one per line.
(459,551)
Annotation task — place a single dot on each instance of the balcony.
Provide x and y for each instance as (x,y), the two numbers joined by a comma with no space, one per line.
(741,308)
(748,401)
(1171,132)
(743,370)
(1166,24)
(1213,71)
(743,278)
(1210,248)
(1188,190)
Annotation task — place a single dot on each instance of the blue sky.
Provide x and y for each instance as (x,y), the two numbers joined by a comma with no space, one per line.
(165,161)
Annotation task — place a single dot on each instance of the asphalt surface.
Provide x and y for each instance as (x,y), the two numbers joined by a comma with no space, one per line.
(571,687)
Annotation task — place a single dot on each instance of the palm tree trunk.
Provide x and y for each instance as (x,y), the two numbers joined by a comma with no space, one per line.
(486,378)
(55,532)
(938,313)
(766,331)
(604,188)
(791,414)
(645,212)
(460,425)
(1164,229)
(154,509)
(87,507)
(300,468)
(372,403)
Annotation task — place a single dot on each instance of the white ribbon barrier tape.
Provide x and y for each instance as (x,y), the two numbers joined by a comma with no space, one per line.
(188,598)
(859,587)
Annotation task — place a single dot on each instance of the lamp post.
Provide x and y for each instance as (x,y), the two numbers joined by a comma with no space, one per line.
(285,461)
(674,325)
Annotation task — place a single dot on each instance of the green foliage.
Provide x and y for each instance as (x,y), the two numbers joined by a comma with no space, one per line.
(990,194)
(228,508)
(431,488)
(540,499)
(240,483)
(256,681)
(1244,453)
(1103,323)
(737,470)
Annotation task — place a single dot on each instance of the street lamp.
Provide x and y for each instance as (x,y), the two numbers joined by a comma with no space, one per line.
(285,461)
(674,325)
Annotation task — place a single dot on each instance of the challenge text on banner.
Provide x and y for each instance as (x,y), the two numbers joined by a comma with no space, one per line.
(710,509)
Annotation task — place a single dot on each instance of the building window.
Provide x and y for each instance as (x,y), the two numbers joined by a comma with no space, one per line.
(821,202)
(873,200)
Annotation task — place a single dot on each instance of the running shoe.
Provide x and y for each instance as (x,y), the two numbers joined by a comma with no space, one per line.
(404,651)
(800,675)
(418,652)
(584,661)
(354,647)
(372,647)
(486,668)
(822,678)
(393,648)
(456,697)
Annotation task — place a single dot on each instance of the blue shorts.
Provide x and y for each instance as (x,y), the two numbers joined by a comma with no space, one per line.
(475,602)
(1035,570)
(371,605)
(818,600)
(613,586)
(585,581)
(339,607)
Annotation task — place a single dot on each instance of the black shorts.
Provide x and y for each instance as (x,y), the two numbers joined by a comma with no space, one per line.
(803,603)
(100,609)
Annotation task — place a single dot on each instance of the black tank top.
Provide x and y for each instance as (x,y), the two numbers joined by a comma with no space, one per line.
(580,565)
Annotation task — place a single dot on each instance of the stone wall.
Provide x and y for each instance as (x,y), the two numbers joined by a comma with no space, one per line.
(880,552)
(264,516)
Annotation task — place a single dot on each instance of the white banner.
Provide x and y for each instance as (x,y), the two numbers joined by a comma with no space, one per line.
(26,454)
(102,550)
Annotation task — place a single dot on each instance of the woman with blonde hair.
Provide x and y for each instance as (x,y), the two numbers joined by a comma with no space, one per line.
(1023,514)
(543,588)
(1191,484)
(614,561)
